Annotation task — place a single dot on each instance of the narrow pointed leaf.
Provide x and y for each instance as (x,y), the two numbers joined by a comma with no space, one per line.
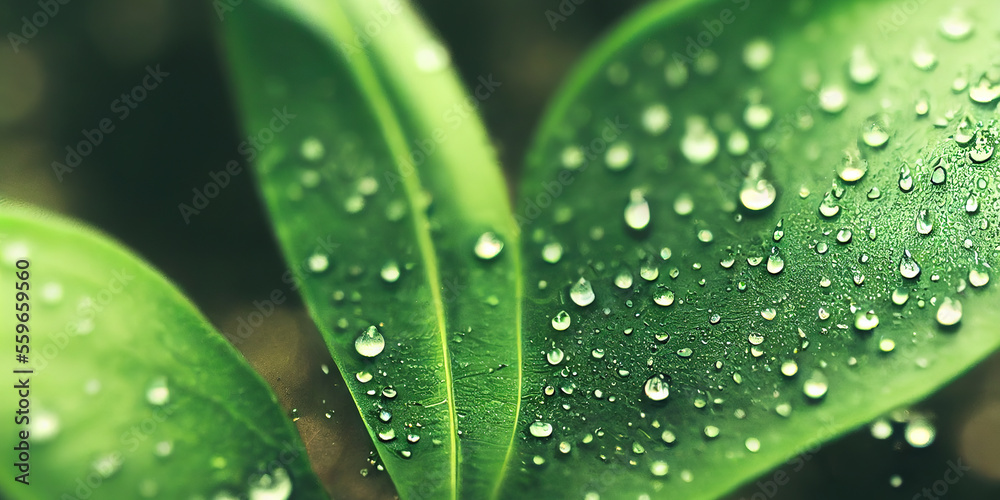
(388,203)
(132,394)
(726,178)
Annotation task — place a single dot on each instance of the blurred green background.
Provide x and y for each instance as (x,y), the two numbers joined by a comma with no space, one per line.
(67,77)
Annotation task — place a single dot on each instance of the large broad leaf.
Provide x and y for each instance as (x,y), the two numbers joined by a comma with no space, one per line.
(131,394)
(750,227)
(386,197)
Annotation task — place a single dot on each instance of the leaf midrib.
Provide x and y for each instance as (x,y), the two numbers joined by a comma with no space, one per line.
(376,96)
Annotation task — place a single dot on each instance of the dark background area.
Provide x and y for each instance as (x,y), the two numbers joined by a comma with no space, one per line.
(66,78)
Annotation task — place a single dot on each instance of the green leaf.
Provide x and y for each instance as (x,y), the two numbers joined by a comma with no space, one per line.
(756,315)
(387,200)
(133,394)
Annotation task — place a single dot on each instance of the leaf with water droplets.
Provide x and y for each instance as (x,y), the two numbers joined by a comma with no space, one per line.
(385,185)
(131,388)
(845,183)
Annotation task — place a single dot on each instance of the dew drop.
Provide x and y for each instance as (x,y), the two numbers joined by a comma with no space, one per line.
(540,429)
(775,264)
(949,313)
(157,393)
(919,433)
(561,321)
(370,343)
(619,156)
(656,119)
(757,193)
(664,298)
(581,293)
(659,468)
(623,280)
(829,206)
(986,91)
(390,272)
(816,385)
(758,54)
(956,26)
(699,144)
(832,99)
(274,486)
(866,321)
(488,246)
(752,444)
(555,356)
(922,56)
(552,252)
(925,222)
(656,388)
(572,157)
(862,67)
(972,204)
(875,134)
(979,276)
(637,211)
(789,368)
(905,178)
(318,262)
(312,149)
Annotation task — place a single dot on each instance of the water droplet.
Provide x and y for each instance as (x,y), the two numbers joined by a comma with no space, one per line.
(318,262)
(979,276)
(664,298)
(685,352)
(597,353)
(983,150)
(758,116)
(900,296)
(919,433)
(390,272)
(986,91)
(752,444)
(862,67)
(925,222)
(656,119)
(637,211)
(312,149)
(922,56)
(623,280)
(370,343)
(431,57)
(555,356)
(659,468)
(866,321)
(656,388)
(905,178)
(922,106)
(816,385)
(552,252)
(488,246)
(783,409)
(711,431)
(540,429)
(829,206)
(775,264)
(572,157)
(668,437)
(619,156)
(561,321)
(949,313)
(755,338)
(387,435)
(757,193)
(108,465)
(789,368)
(832,99)
(157,393)
(758,54)
(699,145)
(939,175)
(363,376)
(44,426)
(956,26)
(844,235)
(886,345)
(972,204)
(895,481)
(274,486)
(875,134)
(683,205)
(581,293)
(649,272)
